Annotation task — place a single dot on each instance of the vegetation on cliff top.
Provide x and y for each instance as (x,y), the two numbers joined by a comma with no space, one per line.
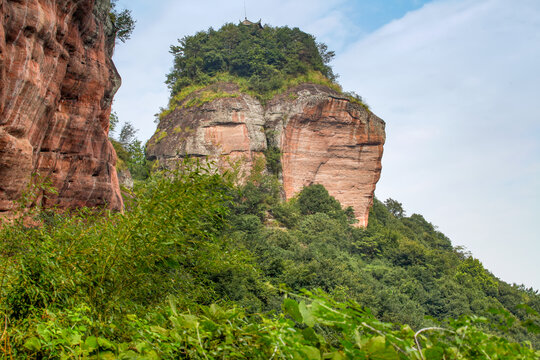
(262,62)
(199,268)
(265,57)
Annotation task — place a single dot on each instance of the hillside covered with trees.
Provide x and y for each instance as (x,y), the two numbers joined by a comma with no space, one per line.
(200,268)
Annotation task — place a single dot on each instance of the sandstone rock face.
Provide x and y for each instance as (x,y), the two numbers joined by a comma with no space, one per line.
(57,84)
(229,131)
(324,138)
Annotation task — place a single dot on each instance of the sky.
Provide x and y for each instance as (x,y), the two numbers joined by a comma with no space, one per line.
(457,82)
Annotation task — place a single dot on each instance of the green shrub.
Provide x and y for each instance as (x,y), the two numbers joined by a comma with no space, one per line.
(315,199)
(193,267)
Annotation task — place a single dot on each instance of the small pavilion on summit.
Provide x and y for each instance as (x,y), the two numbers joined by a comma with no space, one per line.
(250,23)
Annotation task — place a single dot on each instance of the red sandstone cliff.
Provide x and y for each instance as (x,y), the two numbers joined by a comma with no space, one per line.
(57,84)
(324,138)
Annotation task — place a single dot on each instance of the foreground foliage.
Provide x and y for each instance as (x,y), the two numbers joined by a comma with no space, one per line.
(190,271)
(316,327)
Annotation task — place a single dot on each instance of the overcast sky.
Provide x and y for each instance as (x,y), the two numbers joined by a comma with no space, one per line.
(457,82)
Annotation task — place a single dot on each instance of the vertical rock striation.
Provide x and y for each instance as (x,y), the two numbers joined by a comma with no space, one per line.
(324,138)
(57,84)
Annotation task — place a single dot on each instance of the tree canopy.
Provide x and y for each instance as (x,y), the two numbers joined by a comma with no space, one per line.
(266,57)
(123,22)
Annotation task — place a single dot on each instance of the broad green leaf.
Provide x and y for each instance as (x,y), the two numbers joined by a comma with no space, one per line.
(309,320)
(104,343)
(311,336)
(187,321)
(91,343)
(74,339)
(33,344)
(379,349)
(42,330)
(434,353)
(291,308)
(311,353)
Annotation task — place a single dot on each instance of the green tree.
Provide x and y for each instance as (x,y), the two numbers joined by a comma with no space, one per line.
(130,151)
(123,22)
(113,123)
(395,207)
(127,134)
(264,57)
(316,199)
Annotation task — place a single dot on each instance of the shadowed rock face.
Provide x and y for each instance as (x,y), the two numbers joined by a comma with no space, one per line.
(57,84)
(323,138)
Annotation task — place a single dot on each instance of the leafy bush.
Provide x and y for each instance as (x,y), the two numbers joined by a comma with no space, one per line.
(315,199)
(123,22)
(401,267)
(300,332)
(167,243)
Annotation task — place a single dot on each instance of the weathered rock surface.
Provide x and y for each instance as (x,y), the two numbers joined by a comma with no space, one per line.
(229,131)
(57,83)
(324,138)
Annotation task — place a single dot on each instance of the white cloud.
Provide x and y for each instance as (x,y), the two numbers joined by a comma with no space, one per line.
(457,83)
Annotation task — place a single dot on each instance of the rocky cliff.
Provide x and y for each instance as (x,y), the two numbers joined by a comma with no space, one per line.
(57,84)
(323,137)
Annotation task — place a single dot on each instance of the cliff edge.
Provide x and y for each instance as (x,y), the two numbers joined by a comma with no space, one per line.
(57,84)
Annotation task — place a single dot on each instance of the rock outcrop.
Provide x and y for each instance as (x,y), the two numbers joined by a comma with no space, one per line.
(229,130)
(323,138)
(57,84)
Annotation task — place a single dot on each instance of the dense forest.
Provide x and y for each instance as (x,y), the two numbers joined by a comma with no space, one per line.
(198,267)
(202,265)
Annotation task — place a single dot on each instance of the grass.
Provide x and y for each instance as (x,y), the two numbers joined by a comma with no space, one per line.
(181,100)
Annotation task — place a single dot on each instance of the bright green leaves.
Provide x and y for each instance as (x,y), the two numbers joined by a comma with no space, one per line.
(307,316)
(322,329)
(290,307)
(315,199)
(189,239)
(33,344)
(472,271)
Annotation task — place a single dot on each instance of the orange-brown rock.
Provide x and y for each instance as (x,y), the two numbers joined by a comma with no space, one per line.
(324,138)
(229,131)
(57,83)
